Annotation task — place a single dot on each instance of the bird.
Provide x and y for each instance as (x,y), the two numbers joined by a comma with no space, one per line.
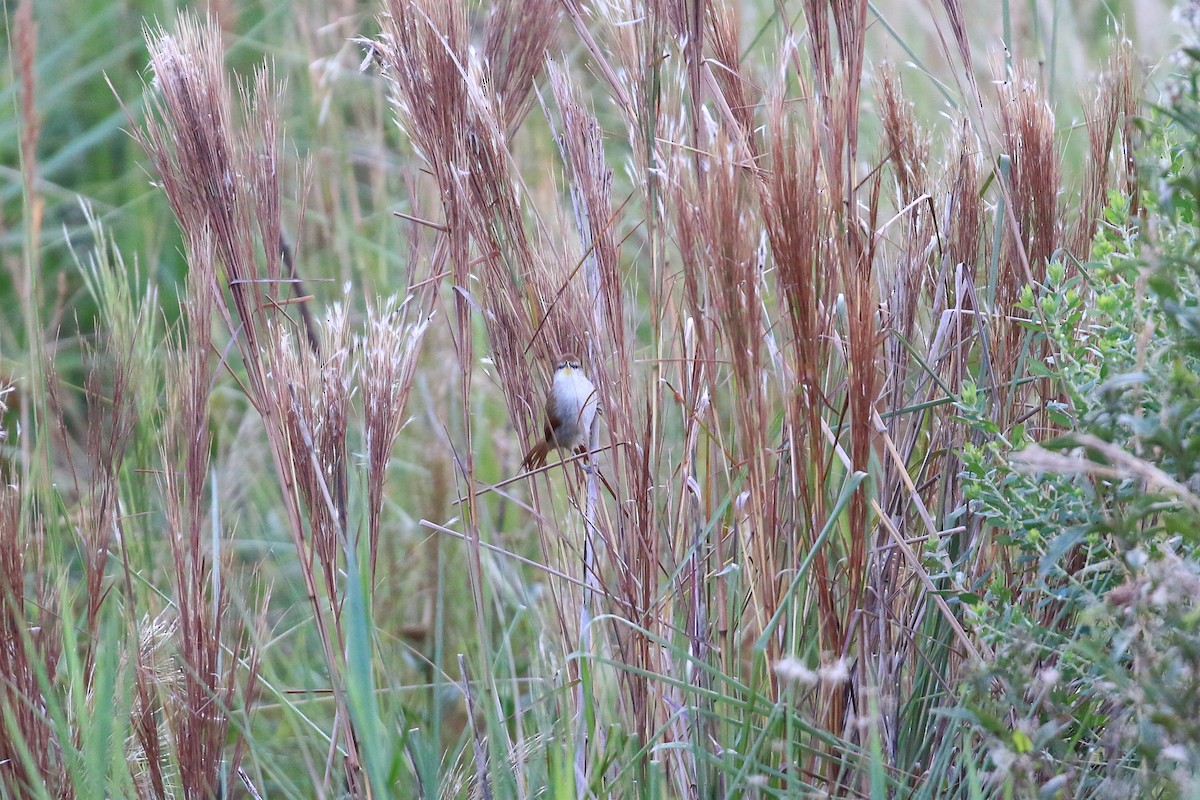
(570,410)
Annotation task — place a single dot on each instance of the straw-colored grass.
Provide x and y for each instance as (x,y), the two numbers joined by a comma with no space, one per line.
(274,539)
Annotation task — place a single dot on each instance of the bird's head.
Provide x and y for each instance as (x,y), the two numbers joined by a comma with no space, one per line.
(567,363)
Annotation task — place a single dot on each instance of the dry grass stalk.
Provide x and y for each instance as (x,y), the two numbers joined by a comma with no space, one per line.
(517,35)
(906,146)
(459,121)
(909,298)
(446,99)
(733,92)
(115,372)
(852,253)
(958,30)
(1115,102)
(28,647)
(714,225)
(157,680)
(626,542)
(590,182)
(222,181)
(111,420)
(1033,223)
(964,209)
(797,219)
(1027,127)
(29,641)
(736,191)
(389,350)
(198,695)
(24,46)
(905,301)
(423,50)
(311,393)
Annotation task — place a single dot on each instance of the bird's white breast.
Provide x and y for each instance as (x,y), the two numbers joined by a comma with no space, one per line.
(576,399)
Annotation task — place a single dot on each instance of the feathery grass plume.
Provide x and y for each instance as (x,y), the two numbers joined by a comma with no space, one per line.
(904,288)
(31,752)
(851,255)
(905,145)
(797,219)
(625,44)
(725,71)
(157,679)
(527,297)
(1027,128)
(1113,104)
(222,181)
(121,395)
(516,36)
(838,85)
(964,233)
(590,183)
(116,374)
(716,222)
(389,350)
(629,57)
(532,296)
(728,256)
(686,554)
(178,713)
(446,100)
(1033,223)
(820,46)
(862,363)
(423,49)
(311,392)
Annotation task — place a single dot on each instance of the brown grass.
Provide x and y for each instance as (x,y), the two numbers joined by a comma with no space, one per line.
(762,200)
(770,305)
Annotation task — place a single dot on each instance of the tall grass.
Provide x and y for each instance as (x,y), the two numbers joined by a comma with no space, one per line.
(784,286)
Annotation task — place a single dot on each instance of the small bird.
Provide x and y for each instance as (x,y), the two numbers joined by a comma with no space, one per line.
(570,410)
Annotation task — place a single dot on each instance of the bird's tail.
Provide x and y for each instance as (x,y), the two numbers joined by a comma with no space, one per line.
(536,457)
